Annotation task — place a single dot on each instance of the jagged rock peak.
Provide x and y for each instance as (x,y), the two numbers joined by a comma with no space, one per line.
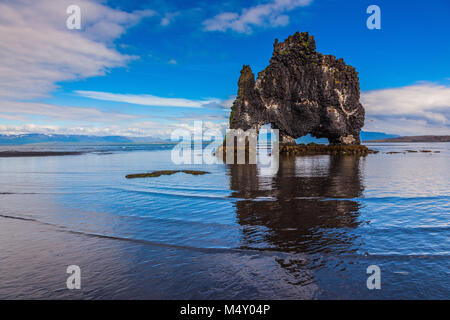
(301,41)
(301,92)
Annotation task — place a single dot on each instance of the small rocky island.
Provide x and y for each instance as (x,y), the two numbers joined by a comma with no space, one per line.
(155,174)
(302,92)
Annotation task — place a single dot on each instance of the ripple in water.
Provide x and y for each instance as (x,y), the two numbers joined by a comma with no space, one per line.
(306,231)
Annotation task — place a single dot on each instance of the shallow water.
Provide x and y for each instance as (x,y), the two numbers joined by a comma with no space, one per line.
(306,231)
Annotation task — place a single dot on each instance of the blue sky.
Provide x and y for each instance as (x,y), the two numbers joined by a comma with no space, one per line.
(148,67)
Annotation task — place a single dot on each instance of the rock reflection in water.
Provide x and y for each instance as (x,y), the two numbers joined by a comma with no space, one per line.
(308,206)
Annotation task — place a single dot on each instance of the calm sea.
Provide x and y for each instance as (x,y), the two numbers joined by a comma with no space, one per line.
(307,231)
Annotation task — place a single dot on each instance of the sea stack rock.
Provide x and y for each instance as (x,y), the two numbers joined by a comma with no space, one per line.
(301,92)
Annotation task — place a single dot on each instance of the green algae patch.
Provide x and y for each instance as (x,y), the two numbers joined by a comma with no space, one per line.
(156,174)
(317,149)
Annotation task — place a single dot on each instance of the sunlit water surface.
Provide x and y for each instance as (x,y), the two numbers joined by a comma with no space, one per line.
(306,231)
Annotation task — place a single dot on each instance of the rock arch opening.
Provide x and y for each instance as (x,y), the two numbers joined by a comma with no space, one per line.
(310,139)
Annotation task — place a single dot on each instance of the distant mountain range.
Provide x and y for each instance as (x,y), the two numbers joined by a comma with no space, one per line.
(416,139)
(59,138)
(365,136)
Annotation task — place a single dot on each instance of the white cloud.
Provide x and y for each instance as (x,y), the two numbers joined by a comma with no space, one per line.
(169,18)
(144,129)
(18,110)
(147,100)
(417,109)
(404,127)
(228,103)
(172,61)
(218,104)
(136,129)
(270,15)
(37,50)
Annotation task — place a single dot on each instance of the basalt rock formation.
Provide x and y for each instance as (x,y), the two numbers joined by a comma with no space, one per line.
(301,92)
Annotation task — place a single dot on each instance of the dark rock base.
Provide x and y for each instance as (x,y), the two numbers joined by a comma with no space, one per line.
(311,149)
(318,149)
